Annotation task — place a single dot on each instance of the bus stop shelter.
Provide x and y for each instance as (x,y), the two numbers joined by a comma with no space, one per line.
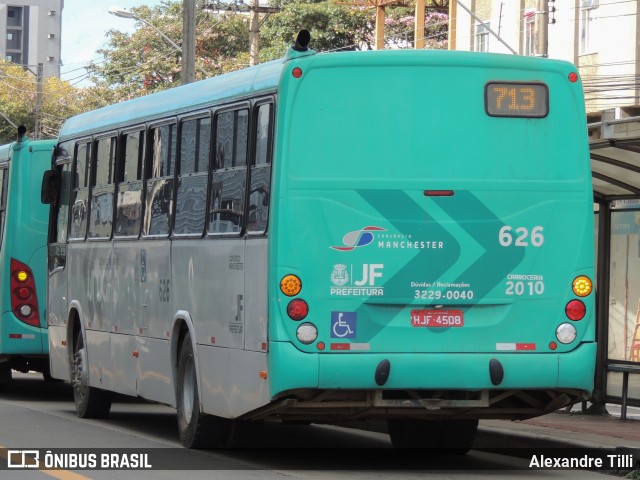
(614,142)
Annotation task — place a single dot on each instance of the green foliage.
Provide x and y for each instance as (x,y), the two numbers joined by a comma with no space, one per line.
(59,101)
(333,27)
(400,30)
(144,62)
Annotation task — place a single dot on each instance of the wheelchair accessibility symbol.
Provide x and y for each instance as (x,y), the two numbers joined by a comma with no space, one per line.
(343,324)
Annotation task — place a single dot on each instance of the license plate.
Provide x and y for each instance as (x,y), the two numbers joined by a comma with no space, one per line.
(437,318)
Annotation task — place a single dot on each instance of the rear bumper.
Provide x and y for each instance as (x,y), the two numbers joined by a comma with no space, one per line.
(19,338)
(291,369)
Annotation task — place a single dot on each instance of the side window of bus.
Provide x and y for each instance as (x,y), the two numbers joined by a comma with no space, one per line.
(3,200)
(191,189)
(229,172)
(129,205)
(62,206)
(80,191)
(159,194)
(260,188)
(103,188)
(62,220)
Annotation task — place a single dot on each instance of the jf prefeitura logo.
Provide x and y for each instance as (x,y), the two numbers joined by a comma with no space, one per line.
(355,280)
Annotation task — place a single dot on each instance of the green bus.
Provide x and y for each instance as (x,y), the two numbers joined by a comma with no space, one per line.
(24,342)
(402,236)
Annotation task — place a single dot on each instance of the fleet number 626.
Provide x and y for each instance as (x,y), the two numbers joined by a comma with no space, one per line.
(521,236)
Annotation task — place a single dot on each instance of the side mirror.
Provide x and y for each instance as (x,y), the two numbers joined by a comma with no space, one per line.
(50,187)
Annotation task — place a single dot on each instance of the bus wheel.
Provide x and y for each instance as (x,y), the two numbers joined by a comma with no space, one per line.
(445,436)
(90,402)
(197,430)
(5,375)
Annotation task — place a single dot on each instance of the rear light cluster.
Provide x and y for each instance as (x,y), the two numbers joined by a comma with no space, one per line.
(298,309)
(575,311)
(24,301)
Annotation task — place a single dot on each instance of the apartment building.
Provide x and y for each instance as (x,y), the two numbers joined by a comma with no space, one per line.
(30,34)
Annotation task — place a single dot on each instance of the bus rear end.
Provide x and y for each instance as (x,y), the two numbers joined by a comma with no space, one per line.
(23,258)
(431,246)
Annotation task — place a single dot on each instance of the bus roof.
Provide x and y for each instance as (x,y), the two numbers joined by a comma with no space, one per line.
(266,77)
(183,99)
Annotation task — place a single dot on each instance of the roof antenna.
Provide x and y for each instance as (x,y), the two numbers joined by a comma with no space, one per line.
(302,41)
(22,130)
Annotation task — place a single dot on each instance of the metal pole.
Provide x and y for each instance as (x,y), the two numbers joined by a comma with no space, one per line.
(542,43)
(8,120)
(379,28)
(453,21)
(418,34)
(167,39)
(188,41)
(487,27)
(38,112)
(603,286)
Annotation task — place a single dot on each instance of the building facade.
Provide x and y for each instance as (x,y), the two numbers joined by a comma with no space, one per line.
(602,38)
(30,34)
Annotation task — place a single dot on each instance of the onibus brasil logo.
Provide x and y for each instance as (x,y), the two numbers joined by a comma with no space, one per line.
(358,238)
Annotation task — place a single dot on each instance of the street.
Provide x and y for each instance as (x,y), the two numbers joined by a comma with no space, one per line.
(40,416)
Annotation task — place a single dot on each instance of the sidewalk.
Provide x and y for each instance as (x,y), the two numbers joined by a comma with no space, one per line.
(562,430)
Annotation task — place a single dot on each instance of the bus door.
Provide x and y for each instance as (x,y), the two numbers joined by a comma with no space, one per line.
(57,304)
(153,264)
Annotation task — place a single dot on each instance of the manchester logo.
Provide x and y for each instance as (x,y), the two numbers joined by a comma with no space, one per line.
(357,238)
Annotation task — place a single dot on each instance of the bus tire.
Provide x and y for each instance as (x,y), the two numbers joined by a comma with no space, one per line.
(445,436)
(5,376)
(197,430)
(90,402)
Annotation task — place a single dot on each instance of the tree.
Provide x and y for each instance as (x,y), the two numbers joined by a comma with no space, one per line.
(333,27)
(337,25)
(17,100)
(400,28)
(144,61)
(60,101)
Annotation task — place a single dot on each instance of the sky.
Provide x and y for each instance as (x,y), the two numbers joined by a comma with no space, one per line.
(84,25)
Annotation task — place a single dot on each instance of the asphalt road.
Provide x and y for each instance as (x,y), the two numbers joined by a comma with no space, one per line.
(38,417)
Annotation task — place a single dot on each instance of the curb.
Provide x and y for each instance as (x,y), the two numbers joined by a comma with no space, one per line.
(495,438)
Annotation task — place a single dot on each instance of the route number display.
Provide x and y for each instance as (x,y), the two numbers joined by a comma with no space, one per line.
(526,100)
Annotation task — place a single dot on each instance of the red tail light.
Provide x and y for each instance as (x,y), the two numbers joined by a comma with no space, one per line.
(297,309)
(24,301)
(575,310)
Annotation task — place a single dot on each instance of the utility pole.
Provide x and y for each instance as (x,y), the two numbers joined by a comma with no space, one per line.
(453,22)
(38,111)
(255,10)
(188,74)
(254,33)
(418,29)
(380,26)
(542,37)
